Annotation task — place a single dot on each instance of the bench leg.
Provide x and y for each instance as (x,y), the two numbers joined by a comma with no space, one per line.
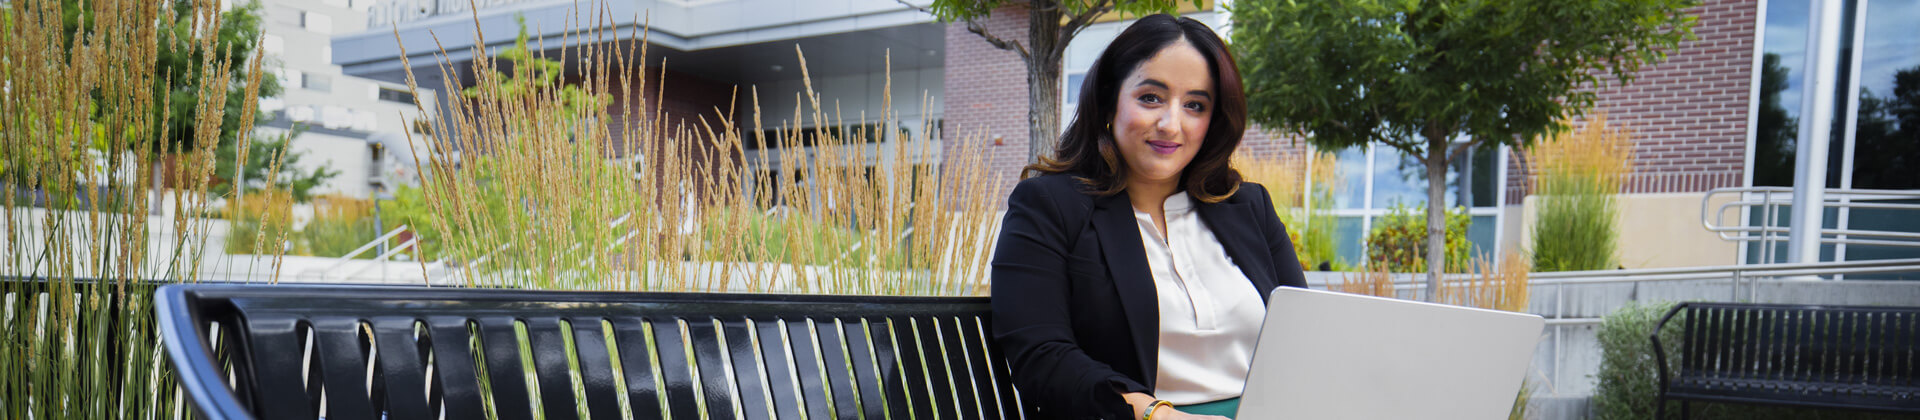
(1686,409)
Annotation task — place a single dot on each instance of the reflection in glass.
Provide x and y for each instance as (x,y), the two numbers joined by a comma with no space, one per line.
(1399,179)
(1777,124)
(1886,152)
(1352,171)
(1347,234)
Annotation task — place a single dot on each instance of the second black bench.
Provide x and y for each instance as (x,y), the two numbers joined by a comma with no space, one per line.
(1843,357)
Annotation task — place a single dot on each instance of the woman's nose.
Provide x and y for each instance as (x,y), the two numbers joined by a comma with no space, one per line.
(1169,121)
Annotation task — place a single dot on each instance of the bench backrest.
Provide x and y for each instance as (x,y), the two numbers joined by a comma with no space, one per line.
(1870,350)
(289,351)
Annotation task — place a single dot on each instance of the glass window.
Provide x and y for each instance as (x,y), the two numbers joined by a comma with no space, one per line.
(1776,125)
(318,82)
(1352,169)
(1399,179)
(395,95)
(1886,144)
(1073,87)
(1347,232)
(1372,180)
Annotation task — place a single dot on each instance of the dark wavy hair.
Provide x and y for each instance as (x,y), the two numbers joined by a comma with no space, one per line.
(1086,149)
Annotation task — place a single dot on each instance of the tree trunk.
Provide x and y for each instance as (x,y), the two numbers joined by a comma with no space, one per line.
(1436,161)
(1045,46)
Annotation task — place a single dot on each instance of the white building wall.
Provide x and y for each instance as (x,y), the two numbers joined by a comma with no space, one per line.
(316,94)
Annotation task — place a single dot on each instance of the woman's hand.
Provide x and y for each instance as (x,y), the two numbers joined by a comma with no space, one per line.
(1141,402)
(1168,413)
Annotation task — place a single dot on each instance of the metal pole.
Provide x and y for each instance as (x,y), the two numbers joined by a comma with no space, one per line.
(1816,130)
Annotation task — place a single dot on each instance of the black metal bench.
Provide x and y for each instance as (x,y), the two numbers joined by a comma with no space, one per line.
(292,352)
(1843,357)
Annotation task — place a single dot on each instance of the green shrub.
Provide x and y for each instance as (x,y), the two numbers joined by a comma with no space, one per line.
(1398,241)
(336,236)
(1626,387)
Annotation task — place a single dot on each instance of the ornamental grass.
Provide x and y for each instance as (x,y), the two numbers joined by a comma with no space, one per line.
(1580,173)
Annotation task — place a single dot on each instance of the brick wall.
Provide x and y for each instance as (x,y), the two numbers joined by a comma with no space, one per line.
(1688,115)
(987,94)
(688,99)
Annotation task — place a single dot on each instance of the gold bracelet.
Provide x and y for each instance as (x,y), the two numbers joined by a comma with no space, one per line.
(1156,406)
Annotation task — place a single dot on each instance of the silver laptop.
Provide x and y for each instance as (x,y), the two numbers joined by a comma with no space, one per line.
(1326,356)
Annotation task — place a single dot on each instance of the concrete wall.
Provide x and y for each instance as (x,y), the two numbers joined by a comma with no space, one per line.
(1656,230)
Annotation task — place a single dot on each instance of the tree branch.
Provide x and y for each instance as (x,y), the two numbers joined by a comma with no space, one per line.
(977,28)
(1457,149)
(1080,21)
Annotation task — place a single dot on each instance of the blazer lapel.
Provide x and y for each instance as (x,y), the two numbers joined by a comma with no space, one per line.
(1242,242)
(1126,261)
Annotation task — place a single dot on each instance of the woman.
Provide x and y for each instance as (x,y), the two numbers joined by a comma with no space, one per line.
(1131,274)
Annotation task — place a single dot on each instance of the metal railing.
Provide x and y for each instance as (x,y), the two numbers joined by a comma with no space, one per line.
(1768,230)
(334,271)
(1742,284)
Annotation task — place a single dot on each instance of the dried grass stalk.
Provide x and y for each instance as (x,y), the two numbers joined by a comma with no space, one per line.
(555,191)
(81,151)
(1371,283)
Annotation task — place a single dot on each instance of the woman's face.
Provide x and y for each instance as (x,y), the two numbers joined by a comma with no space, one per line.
(1162,113)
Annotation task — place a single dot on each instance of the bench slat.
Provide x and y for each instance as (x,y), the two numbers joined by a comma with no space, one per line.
(280,388)
(500,345)
(716,378)
(454,367)
(952,337)
(676,370)
(777,358)
(1010,405)
(944,398)
(749,370)
(918,389)
(867,369)
(403,372)
(636,364)
(342,368)
(891,367)
(549,351)
(596,368)
(807,365)
(838,362)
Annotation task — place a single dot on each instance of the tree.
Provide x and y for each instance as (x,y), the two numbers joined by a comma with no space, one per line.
(1435,78)
(178,66)
(1051,25)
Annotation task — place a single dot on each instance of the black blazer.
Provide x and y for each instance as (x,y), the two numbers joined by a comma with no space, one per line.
(1074,305)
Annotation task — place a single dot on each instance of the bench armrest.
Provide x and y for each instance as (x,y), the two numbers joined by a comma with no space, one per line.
(1660,352)
(193,362)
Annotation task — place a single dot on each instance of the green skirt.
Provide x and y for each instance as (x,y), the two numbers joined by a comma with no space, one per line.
(1227,407)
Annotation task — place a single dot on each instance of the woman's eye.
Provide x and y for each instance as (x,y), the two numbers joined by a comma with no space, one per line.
(1150,98)
(1197,107)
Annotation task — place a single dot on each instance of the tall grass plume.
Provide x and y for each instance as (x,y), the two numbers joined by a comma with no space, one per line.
(1580,175)
(556,190)
(89,234)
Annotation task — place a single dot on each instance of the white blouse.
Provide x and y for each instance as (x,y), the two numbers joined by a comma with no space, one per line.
(1210,313)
